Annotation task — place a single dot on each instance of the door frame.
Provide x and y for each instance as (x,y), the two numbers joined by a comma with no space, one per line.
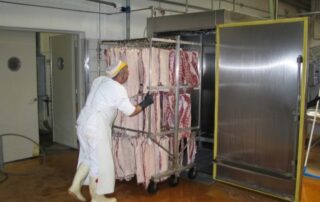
(81,73)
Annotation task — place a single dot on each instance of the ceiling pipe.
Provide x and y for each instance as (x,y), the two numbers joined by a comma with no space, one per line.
(181,4)
(167,9)
(305,5)
(73,10)
(104,2)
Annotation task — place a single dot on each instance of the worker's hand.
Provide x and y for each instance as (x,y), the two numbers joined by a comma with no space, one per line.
(148,100)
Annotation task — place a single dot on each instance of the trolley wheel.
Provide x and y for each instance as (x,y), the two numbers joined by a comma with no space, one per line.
(192,174)
(173,180)
(152,187)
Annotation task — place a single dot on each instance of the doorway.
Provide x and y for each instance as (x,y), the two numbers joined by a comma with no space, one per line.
(38,86)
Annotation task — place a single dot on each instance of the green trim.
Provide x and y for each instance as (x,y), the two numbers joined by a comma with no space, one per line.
(216,103)
(302,112)
(264,22)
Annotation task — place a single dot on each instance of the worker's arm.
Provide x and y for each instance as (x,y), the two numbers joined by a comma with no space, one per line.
(137,110)
(148,100)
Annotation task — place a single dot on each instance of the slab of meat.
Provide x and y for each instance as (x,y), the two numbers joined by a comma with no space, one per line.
(168,110)
(139,156)
(115,149)
(163,156)
(149,161)
(127,157)
(164,67)
(184,112)
(191,149)
(172,67)
(191,68)
(124,157)
(154,66)
(188,70)
(113,55)
(133,61)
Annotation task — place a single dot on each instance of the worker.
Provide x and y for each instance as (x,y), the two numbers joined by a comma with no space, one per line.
(94,128)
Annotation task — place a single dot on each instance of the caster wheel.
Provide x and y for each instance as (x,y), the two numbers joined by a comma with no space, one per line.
(152,187)
(173,180)
(192,174)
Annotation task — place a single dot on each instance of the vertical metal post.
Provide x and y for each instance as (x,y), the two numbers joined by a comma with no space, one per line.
(127,20)
(86,69)
(152,11)
(99,41)
(187,6)
(200,64)
(176,120)
(234,5)
(150,73)
(276,9)
(1,155)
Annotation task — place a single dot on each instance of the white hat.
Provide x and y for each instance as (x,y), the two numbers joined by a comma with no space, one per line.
(114,69)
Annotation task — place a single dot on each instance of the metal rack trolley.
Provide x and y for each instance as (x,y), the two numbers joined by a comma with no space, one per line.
(174,157)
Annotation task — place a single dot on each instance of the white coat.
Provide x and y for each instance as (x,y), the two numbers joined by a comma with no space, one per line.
(94,128)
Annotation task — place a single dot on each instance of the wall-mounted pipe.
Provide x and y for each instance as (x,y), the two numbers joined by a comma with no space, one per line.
(187,6)
(307,13)
(169,10)
(104,2)
(71,9)
(181,4)
(273,9)
(128,20)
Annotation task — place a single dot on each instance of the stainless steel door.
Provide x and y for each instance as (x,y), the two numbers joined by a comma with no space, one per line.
(18,88)
(257,123)
(64,89)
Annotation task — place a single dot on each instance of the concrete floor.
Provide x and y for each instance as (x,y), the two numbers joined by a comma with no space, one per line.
(50,181)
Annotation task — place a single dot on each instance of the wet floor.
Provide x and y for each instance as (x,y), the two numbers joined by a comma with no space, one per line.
(50,181)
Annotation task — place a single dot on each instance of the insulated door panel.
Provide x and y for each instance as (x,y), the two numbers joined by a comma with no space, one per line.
(257,122)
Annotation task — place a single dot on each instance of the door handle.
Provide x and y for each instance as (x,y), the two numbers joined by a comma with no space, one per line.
(299,62)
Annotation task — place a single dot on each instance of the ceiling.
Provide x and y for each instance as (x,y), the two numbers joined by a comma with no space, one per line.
(300,4)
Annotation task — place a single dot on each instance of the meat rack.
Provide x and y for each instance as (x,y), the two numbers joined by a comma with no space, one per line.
(174,156)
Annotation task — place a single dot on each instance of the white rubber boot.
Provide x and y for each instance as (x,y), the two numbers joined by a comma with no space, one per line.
(95,197)
(75,189)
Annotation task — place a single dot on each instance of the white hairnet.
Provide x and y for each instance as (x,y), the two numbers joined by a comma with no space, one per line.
(114,69)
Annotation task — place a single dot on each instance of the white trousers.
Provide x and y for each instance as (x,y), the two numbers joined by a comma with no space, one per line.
(96,152)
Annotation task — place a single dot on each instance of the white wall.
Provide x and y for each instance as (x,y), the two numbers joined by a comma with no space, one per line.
(12,15)
(112,26)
